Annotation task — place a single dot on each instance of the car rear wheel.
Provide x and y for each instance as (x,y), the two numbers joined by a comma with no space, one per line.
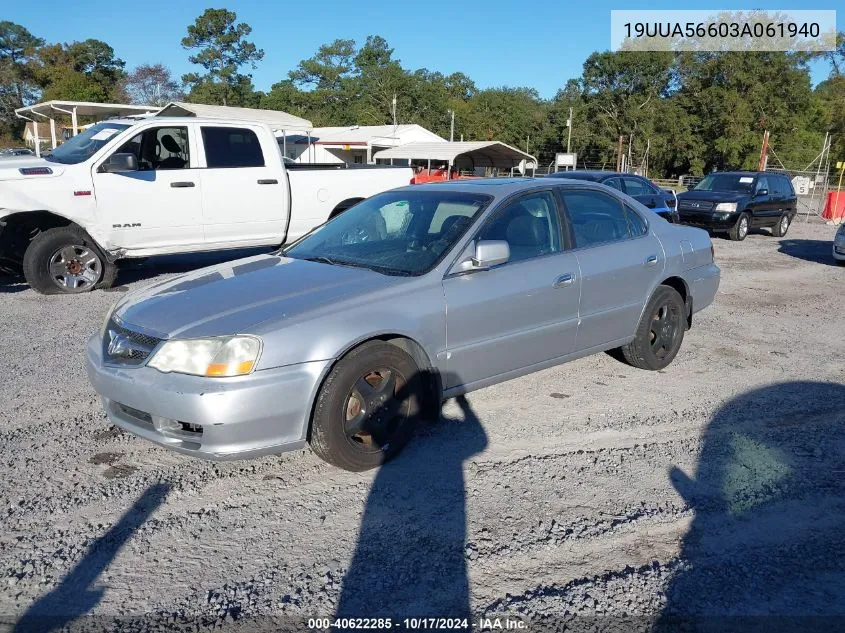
(780,229)
(64,260)
(367,408)
(659,333)
(740,230)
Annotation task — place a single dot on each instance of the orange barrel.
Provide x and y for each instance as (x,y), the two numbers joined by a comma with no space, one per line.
(834,206)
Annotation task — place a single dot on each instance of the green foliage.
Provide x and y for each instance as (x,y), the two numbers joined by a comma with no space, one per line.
(690,111)
(221,51)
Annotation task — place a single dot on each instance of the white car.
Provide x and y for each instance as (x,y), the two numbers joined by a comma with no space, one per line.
(839,245)
(128,188)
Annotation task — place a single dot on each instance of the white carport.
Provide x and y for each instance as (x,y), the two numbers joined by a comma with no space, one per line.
(277,120)
(463,154)
(47,110)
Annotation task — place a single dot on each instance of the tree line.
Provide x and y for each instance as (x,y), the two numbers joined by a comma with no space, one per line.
(679,113)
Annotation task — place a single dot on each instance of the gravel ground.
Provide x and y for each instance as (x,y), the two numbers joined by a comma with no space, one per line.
(590,496)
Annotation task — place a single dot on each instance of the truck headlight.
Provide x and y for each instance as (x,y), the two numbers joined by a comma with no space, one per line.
(726,206)
(218,357)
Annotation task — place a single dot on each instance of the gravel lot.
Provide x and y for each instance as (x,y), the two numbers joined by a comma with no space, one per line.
(590,495)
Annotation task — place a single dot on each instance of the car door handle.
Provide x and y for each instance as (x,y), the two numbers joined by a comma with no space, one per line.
(564,280)
(183,183)
(268,181)
(651,260)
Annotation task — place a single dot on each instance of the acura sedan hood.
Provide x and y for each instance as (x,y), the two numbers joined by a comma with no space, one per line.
(233,297)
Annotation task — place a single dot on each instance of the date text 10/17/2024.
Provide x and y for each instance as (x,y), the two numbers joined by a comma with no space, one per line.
(413,624)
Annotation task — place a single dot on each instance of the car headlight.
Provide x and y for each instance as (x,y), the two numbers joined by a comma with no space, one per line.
(726,206)
(218,357)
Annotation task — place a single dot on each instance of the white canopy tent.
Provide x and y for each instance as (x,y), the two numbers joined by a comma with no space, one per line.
(47,110)
(470,154)
(276,119)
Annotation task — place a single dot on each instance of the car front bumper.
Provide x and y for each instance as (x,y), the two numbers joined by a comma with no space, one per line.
(711,220)
(211,418)
(839,248)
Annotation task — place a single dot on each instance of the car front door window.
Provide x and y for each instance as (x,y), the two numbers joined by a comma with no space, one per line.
(159,148)
(529,226)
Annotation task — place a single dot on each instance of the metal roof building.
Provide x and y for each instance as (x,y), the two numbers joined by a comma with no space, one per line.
(462,155)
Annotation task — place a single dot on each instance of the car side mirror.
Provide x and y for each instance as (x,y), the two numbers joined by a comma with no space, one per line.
(762,192)
(487,253)
(119,163)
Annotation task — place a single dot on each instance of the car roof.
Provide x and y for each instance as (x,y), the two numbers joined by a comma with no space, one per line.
(498,187)
(595,175)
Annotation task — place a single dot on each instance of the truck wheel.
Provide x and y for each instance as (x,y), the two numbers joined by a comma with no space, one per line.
(64,260)
(780,229)
(660,332)
(367,408)
(740,230)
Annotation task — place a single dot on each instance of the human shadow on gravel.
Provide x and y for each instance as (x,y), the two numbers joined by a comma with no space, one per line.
(816,251)
(77,594)
(766,549)
(410,558)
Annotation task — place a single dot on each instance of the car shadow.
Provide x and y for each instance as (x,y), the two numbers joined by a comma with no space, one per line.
(766,549)
(816,251)
(77,592)
(411,555)
(12,283)
(131,271)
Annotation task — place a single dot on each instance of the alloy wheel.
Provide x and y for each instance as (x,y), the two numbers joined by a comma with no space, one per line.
(664,329)
(373,411)
(75,268)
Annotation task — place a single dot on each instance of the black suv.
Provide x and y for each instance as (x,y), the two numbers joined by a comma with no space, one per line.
(736,201)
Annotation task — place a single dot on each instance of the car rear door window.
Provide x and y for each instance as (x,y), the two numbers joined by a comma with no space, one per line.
(529,225)
(596,217)
(636,187)
(636,224)
(616,183)
(231,147)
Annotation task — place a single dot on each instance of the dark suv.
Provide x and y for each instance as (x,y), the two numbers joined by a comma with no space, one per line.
(737,201)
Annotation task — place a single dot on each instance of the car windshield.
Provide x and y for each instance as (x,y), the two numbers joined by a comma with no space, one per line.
(84,145)
(396,233)
(738,183)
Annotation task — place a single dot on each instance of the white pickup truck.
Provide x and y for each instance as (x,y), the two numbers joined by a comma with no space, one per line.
(129,188)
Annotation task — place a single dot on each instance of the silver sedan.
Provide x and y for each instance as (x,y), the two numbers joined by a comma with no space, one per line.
(346,338)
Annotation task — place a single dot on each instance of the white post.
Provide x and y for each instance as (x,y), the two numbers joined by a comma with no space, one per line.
(73,119)
(569,125)
(53,132)
(37,140)
(284,145)
(452,128)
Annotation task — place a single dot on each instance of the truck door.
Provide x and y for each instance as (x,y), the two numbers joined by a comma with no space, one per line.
(244,191)
(158,206)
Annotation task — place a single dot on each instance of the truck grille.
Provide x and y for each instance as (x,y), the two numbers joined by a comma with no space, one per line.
(695,205)
(127,347)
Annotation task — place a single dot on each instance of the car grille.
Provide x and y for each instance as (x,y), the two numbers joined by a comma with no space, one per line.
(127,347)
(695,205)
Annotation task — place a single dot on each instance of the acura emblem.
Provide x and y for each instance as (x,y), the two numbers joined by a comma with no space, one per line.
(119,345)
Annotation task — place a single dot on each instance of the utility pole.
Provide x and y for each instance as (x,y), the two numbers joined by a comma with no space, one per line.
(619,154)
(764,152)
(569,135)
(452,128)
(527,139)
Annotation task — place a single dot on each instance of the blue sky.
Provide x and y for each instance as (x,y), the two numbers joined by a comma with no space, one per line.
(494,42)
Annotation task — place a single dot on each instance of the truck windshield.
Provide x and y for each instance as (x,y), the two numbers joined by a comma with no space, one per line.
(403,232)
(738,183)
(84,145)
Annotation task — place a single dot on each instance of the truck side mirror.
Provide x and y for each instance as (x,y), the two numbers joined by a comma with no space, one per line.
(118,163)
(762,192)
